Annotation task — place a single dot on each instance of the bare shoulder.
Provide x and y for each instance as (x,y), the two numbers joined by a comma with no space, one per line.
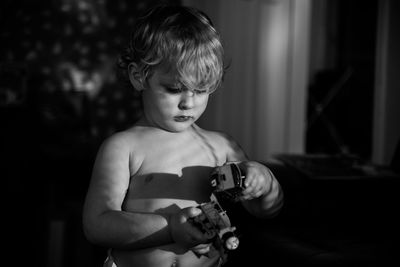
(120,140)
(226,143)
(123,147)
(118,143)
(220,138)
(127,140)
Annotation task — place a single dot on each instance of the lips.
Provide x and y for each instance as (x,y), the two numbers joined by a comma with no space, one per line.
(182,118)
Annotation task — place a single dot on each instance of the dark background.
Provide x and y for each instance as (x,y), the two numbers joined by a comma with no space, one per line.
(60,97)
(341,93)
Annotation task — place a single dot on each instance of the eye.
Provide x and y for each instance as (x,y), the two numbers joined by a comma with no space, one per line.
(200,92)
(173,90)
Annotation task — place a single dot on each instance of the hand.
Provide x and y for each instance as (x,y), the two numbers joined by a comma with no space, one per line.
(262,196)
(258,181)
(201,249)
(185,233)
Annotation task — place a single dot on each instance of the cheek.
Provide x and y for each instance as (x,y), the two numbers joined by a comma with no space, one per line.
(158,103)
(202,103)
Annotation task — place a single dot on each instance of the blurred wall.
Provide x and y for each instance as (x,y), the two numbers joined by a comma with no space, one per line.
(387,87)
(262,100)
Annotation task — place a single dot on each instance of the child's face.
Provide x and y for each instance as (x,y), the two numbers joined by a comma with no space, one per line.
(167,106)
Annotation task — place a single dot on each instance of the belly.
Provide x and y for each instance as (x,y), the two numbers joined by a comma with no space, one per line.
(166,193)
(164,256)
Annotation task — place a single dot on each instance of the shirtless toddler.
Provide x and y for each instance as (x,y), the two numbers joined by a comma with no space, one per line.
(147,180)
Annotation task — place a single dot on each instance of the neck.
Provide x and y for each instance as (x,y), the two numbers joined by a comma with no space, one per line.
(143,122)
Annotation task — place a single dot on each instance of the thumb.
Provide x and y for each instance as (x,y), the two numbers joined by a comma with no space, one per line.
(193,212)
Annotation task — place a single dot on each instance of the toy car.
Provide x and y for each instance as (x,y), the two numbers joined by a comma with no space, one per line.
(228,181)
(215,223)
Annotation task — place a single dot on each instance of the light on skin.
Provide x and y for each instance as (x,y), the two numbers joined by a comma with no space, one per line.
(168,105)
(150,223)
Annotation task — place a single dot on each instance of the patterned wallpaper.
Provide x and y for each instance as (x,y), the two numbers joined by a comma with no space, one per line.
(57,59)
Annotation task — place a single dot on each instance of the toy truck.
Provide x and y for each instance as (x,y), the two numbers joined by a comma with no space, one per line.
(228,182)
(215,223)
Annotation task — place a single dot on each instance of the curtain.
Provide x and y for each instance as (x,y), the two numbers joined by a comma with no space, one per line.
(262,100)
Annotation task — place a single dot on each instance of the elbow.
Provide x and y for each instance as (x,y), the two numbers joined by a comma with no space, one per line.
(88,231)
(267,207)
(92,229)
(267,212)
(274,203)
(89,235)
(276,206)
(273,211)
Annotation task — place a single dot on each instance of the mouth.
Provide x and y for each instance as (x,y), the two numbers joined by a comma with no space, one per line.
(182,118)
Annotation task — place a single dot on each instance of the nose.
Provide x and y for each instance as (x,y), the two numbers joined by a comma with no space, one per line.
(187,100)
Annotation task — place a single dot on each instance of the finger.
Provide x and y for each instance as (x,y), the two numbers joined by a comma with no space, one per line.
(201,246)
(258,192)
(253,192)
(249,180)
(252,185)
(198,234)
(193,212)
(201,249)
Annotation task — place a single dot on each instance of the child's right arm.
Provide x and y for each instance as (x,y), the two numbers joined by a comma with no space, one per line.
(107,225)
(132,230)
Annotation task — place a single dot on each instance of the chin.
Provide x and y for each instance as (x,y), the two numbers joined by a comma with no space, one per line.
(178,127)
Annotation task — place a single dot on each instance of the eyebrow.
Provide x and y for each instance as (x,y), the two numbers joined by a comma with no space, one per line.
(171,84)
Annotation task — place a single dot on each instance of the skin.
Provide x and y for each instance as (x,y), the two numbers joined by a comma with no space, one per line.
(148,180)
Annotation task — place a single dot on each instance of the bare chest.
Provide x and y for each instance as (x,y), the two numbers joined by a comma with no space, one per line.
(172,177)
(167,192)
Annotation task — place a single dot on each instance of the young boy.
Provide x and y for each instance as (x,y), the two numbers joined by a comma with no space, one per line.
(148,180)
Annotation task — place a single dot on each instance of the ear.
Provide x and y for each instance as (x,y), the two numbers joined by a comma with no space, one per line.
(135,77)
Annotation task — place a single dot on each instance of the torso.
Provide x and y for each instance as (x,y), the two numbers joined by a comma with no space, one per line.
(174,173)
